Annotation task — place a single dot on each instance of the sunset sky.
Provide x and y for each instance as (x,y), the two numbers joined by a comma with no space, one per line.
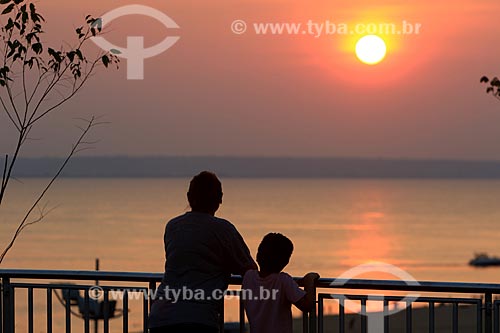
(219,93)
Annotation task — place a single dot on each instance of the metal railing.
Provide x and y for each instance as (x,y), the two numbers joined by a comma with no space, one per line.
(16,283)
(478,295)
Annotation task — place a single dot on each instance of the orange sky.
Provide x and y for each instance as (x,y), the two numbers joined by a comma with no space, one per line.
(217,93)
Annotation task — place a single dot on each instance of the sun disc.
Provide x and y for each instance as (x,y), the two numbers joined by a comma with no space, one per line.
(371,49)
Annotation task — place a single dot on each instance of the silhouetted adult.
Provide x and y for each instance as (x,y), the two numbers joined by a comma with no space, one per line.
(201,251)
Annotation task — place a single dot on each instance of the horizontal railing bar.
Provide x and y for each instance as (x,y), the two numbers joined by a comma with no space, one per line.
(394,285)
(422,299)
(80,275)
(471,301)
(323,295)
(422,286)
(76,286)
(426,299)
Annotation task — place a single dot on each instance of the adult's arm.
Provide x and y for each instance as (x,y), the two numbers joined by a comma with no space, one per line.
(238,255)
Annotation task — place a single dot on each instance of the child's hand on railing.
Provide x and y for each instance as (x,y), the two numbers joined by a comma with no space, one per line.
(311,278)
(307,303)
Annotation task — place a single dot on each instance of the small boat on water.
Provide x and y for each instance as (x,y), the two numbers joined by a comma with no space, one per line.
(484,260)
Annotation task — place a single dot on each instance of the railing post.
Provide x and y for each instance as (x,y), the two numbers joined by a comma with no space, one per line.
(151,292)
(313,328)
(1,307)
(221,316)
(321,314)
(305,322)
(7,315)
(242,312)
(496,327)
(488,309)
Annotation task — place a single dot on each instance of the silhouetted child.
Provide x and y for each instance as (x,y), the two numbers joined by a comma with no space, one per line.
(269,293)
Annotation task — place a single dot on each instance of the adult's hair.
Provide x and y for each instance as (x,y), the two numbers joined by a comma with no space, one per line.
(205,192)
(274,252)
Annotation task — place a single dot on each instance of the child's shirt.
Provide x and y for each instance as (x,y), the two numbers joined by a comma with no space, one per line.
(268,301)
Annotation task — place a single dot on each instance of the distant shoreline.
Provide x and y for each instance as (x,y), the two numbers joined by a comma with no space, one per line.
(254,167)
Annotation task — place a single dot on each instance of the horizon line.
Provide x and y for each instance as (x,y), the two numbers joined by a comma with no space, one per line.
(358,158)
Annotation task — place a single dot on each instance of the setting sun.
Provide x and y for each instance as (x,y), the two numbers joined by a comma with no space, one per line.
(371,49)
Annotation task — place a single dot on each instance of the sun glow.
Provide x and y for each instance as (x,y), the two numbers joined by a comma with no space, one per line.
(371,49)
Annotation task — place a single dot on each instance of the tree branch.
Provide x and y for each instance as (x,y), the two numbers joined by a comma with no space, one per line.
(23,224)
(73,93)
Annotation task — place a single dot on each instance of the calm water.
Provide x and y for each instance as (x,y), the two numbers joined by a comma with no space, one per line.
(430,228)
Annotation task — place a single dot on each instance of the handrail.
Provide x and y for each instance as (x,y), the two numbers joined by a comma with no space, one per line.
(80,275)
(392,285)
(486,319)
(399,285)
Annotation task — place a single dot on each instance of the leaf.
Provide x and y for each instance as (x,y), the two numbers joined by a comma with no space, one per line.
(484,79)
(56,55)
(25,17)
(79,54)
(37,48)
(4,2)
(10,24)
(34,17)
(8,9)
(115,51)
(105,60)
(489,89)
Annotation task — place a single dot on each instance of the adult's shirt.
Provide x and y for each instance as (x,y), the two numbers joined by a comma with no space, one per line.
(202,251)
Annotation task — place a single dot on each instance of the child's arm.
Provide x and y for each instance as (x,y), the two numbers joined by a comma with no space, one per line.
(307,302)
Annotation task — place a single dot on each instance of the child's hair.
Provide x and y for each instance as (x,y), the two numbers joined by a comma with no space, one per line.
(274,252)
